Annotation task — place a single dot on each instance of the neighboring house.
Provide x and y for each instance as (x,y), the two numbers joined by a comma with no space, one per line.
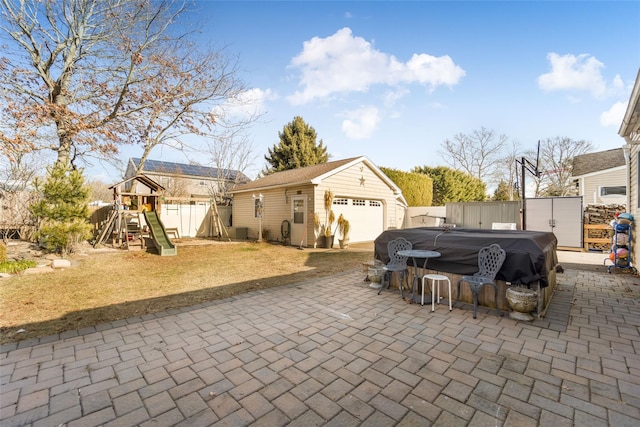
(15,219)
(367,198)
(184,180)
(601,178)
(630,131)
(190,193)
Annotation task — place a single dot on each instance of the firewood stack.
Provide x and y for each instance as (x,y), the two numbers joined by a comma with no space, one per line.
(601,214)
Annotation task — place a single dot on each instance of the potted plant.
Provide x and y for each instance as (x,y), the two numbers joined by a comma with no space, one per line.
(318,232)
(327,231)
(329,219)
(344,231)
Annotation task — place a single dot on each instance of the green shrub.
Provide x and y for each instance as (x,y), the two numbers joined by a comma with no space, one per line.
(13,267)
(63,237)
(3,252)
(62,210)
(417,188)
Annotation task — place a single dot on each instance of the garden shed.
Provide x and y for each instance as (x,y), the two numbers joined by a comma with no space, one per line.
(363,194)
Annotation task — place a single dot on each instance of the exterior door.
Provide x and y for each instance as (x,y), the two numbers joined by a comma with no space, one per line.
(299,221)
(539,214)
(567,218)
(560,215)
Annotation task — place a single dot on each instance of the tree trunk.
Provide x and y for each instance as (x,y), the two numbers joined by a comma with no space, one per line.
(64,145)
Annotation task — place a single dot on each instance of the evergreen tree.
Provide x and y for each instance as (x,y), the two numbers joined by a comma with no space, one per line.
(450,185)
(62,211)
(297,148)
(502,192)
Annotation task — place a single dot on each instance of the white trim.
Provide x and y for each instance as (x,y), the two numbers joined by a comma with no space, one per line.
(628,123)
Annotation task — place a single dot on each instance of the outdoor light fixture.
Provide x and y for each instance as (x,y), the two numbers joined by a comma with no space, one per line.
(258,204)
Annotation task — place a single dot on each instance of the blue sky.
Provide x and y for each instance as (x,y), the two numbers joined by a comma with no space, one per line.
(393,80)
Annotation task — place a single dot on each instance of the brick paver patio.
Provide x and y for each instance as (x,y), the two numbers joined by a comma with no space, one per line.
(332,352)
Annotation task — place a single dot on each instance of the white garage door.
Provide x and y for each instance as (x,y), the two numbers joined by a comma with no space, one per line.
(366,217)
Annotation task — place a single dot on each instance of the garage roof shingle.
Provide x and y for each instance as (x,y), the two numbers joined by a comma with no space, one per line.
(294,176)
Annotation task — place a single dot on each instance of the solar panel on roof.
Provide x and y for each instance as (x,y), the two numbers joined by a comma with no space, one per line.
(188,169)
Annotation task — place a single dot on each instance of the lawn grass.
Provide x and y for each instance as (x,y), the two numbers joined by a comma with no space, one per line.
(104,287)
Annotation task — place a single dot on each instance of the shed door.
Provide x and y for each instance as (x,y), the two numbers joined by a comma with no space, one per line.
(539,214)
(567,218)
(299,222)
(560,215)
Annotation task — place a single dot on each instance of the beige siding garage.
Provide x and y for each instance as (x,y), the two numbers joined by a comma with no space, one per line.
(362,193)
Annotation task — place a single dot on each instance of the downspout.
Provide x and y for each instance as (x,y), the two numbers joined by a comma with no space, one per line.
(626,151)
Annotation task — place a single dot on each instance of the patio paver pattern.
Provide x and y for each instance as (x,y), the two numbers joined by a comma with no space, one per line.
(332,352)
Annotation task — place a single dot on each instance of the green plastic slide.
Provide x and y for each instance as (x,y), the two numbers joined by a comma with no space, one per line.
(159,234)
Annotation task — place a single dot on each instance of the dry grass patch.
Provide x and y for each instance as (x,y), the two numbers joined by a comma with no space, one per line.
(105,287)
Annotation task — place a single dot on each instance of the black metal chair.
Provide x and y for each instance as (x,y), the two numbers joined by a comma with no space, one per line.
(490,260)
(396,263)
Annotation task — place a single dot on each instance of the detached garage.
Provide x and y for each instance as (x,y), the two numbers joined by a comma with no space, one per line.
(363,194)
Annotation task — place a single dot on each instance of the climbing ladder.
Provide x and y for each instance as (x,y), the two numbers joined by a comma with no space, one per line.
(133,230)
(105,228)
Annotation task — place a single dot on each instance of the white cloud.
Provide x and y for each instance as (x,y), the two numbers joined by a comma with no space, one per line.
(391,96)
(618,84)
(361,123)
(344,63)
(249,103)
(571,72)
(615,114)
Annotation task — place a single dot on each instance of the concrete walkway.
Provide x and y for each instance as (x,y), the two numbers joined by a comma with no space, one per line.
(332,352)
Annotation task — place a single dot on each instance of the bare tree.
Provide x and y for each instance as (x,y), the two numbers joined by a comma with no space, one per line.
(556,159)
(195,90)
(99,191)
(84,76)
(477,154)
(230,154)
(506,170)
(177,187)
(18,169)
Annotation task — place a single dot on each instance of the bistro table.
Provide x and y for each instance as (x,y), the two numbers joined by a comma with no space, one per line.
(415,255)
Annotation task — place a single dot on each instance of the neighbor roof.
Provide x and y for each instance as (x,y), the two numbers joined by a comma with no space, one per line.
(597,162)
(160,167)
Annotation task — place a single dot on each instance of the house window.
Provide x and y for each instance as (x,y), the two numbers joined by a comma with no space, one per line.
(615,190)
(340,201)
(375,203)
(358,202)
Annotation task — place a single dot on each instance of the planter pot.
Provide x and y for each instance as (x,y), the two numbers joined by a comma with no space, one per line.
(375,277)
(344,243)
(328,242)
(522,301)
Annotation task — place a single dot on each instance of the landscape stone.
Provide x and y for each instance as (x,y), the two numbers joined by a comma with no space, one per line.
(60,263)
